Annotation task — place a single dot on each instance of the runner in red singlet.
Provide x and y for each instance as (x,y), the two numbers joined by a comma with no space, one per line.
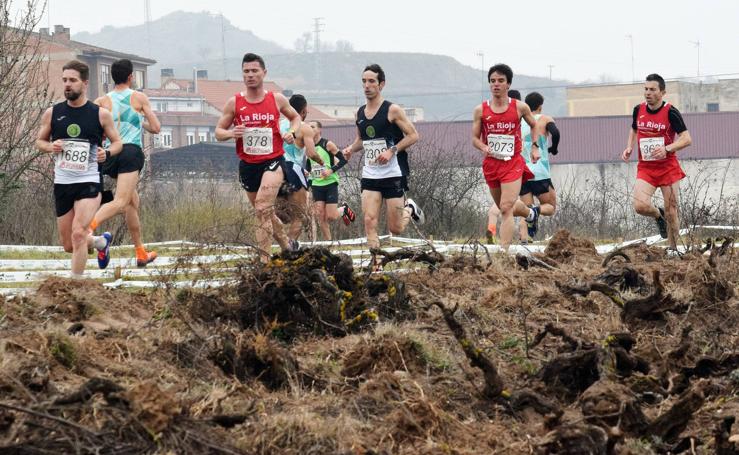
(252,119)
(654,126)
(496,132)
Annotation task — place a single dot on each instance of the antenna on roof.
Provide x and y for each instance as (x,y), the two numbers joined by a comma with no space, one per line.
(223,49)
(147,13)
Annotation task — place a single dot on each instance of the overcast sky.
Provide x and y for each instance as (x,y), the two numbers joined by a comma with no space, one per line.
(583,40)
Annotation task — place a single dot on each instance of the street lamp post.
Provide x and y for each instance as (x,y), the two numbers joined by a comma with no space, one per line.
(481,54)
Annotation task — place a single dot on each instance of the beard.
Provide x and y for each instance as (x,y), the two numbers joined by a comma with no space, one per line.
(72,95)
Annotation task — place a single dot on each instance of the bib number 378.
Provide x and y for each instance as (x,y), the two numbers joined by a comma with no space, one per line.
(257,141)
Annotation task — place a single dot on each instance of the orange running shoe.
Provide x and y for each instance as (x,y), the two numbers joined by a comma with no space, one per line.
(145,258)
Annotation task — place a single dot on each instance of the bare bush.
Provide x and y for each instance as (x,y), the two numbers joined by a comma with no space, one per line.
(23,97)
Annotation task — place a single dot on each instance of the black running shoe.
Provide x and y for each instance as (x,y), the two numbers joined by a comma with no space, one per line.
(662,223)
(533,226)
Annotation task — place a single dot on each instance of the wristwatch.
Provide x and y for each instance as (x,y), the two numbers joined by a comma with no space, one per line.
(293,133)
(394,149)
(535,144)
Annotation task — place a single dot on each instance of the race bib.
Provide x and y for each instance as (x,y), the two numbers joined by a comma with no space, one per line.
(501,146)
(315,171)
(257,141)
(75,156)
(372,150)
(647,145)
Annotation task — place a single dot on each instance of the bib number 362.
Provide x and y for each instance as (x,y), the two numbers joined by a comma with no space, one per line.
(257,141)
(501,146)
(75,156)
(647,146)
(372,150)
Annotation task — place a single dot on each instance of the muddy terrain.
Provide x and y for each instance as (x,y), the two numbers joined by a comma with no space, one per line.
(562,352)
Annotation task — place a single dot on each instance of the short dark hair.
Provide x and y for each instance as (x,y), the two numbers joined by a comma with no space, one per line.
(250,57)
(534,100)
(78,66)
(515,94)
(120,70)
(319,124)
(503,69)
(298,102)
(375,68)
(654,77)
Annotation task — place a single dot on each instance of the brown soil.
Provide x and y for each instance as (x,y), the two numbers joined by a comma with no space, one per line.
(305,357)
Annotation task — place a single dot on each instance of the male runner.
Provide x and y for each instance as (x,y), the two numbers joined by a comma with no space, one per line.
(541,185)
(496,132)
(379,123)
(493,211)
(295,187)
(252,118)
(325,183)
(132,114)
(73,131)
(654,126)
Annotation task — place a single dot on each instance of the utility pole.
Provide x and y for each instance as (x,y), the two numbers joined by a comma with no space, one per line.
(223,49)
(633,73)
(481,54)
(317,29)
(147,12)
(697,45)
(550,71)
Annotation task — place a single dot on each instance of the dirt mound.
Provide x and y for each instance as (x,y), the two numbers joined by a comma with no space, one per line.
(384,353)
(563,246)
(634,354)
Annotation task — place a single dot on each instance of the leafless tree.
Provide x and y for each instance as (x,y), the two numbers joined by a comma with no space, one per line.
(24,94)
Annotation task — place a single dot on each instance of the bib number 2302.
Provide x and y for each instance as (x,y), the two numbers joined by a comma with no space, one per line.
(372,150)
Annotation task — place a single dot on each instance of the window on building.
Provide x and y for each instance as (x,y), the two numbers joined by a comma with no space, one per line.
(190,138)
(711,107)
(104,74)
(161,106)
(166,138)
(138,80)
(189,104)
(203,136)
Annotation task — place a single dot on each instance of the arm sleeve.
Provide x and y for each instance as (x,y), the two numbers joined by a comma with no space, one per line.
(554,132)
(633,117)
(676,120)
(341,163)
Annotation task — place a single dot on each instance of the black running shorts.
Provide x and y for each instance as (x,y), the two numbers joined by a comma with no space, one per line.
(131,159)
(65,195)
(250,174)
(391,187)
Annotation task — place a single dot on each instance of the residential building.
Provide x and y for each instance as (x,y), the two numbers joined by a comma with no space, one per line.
(619,99)
(60,48)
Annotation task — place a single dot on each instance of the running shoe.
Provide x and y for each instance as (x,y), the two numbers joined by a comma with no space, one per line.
(490,236)
(348,215)
(533,226)
(145,259)
(104,253)
(672,253)
(416,212)
(293,245)
(662,223)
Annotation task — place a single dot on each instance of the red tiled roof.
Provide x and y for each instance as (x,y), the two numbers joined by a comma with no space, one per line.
(217,93)
(170,93)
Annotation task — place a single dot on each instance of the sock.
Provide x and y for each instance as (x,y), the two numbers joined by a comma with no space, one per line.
(94,225)
(74,276)
(98,241)
(492,229)
(140,252)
